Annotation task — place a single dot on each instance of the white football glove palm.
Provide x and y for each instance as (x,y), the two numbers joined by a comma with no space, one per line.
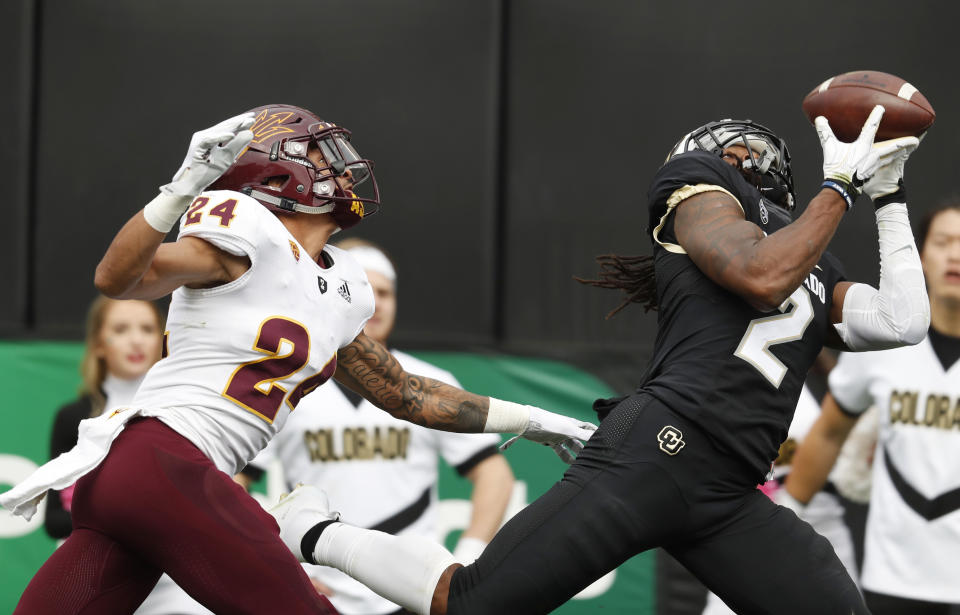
(563,434)
(211,152)
(888,179)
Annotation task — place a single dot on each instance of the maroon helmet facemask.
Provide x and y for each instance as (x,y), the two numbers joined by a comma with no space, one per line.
(282,136)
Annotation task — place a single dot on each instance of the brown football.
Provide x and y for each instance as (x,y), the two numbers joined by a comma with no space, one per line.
(846,100)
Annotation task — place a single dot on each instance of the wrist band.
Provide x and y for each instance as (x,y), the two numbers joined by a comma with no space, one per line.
(846,191)
(163,212)
(900,196)
(506,417)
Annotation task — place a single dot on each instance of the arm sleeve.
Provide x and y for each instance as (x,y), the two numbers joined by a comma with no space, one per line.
(898,313)
(849,382)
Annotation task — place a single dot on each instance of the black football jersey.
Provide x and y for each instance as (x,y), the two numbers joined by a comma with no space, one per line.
(719,362)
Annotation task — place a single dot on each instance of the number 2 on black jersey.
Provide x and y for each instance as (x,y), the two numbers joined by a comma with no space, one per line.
(764,332)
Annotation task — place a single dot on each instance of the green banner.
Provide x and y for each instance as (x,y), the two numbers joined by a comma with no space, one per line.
(39,377)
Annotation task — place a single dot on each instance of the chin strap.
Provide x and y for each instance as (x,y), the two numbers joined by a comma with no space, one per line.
(286,204)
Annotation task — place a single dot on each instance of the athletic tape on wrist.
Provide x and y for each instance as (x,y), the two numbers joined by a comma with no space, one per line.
(506,417)
(163,211)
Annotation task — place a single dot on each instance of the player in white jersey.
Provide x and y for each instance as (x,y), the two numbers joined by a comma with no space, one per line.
(262,313)
(913,525)
(382,472)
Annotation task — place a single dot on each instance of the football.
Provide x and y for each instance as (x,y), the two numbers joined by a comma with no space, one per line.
(846,100)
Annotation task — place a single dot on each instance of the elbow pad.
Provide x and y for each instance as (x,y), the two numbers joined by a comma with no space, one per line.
(899,313)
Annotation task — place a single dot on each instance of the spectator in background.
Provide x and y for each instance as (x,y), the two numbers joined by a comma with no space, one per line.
(913,526)
(379,471)
(123,340)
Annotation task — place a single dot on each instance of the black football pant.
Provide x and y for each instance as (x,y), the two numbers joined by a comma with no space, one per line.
(647,478)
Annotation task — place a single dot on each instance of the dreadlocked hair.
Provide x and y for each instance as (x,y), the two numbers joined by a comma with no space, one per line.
(634,275)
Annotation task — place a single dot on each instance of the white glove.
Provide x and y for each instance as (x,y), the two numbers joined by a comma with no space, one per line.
(846,166)
(563,434)
(887,181)
(468,550)
(782,497)
(211,152)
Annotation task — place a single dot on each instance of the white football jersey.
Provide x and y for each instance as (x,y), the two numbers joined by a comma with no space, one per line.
(240,356)
(379,471)
(913,526)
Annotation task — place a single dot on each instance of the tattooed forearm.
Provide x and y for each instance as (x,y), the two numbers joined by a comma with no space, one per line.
(369,369)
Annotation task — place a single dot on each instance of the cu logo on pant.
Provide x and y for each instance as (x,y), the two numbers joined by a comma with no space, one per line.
(671,440)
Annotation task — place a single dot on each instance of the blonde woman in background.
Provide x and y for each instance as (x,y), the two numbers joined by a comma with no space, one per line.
(123,340)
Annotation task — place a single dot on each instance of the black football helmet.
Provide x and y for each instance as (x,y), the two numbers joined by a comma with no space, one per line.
(769,170)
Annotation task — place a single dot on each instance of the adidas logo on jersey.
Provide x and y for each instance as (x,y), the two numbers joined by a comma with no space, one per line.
(344,291)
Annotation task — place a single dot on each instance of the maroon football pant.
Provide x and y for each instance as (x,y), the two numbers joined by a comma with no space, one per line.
(157,504)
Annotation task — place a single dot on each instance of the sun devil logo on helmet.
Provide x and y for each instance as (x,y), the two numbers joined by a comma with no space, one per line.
(356,206)
(270,124)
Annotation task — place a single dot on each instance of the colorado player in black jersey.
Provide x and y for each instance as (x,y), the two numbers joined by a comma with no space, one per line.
(746,299)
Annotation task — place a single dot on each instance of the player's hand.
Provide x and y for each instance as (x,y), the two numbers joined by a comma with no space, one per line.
(886,185)
(563,434)
(846,166)
(211,152)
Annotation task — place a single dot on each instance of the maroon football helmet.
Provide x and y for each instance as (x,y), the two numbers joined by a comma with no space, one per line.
(282,135)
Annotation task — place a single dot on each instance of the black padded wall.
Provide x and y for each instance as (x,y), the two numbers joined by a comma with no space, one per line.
(17,39)
(514,140)
(123,85)
(599,92)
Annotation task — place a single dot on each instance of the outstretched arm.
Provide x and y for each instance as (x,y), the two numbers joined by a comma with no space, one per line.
(766,269)
(368,368)
(898,313)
